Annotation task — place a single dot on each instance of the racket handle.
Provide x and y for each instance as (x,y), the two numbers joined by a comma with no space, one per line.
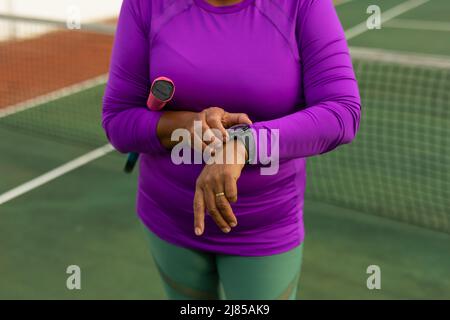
(161,92)
(131,162)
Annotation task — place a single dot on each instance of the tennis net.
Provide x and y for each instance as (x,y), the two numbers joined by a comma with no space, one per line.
(52,78)
(399,164)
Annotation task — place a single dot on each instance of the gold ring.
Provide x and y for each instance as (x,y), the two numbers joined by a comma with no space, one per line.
(220,194)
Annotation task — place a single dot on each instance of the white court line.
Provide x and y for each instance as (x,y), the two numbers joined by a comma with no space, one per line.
(61,93)
(385,17)
(55,173)
(410,24)
(36,102)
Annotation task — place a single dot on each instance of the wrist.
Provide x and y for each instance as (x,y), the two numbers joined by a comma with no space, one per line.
(243,134)
(240,149)
(231,152)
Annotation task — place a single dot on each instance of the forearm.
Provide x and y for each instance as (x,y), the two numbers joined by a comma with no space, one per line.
(132,129)
(171,121)
(312,131)
(330,91)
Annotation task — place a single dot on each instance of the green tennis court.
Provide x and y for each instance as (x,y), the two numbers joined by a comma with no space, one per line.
(384,200)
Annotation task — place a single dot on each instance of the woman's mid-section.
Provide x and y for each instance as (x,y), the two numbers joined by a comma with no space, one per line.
(283,63)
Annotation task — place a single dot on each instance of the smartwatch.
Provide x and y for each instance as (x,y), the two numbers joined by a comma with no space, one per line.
(243,133)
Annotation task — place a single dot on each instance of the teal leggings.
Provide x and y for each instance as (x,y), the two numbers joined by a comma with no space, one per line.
(192,274)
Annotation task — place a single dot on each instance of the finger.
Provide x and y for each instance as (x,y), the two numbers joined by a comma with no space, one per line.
(197,133)
(215,122)
(197,143)
(214,111)
(210,201)
(230,188)
(210,142)
(223,205)
(232,119)
(208,135)
(199,212)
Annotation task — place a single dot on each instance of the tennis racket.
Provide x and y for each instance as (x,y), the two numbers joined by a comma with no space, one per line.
(161,92)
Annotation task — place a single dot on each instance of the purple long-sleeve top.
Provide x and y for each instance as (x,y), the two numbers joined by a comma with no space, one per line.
(285,63)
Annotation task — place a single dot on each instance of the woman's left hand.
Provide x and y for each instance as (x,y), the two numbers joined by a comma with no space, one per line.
(216,187)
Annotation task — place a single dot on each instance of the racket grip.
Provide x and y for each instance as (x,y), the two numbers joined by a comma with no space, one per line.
(161,92)
(131,162)
(153,102)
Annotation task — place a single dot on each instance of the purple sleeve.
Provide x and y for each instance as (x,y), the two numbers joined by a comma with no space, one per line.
(332,112)
(129,125)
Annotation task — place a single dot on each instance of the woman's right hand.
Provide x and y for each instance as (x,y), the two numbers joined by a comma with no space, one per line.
(210,118)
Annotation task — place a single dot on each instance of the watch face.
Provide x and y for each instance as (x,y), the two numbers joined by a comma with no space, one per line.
(162,90)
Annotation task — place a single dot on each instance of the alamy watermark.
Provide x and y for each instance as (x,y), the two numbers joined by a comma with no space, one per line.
(189,149)
(374,280)
(374,20)
(73,20)
(73,281)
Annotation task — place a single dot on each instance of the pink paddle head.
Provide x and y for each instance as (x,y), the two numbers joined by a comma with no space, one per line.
(161,93)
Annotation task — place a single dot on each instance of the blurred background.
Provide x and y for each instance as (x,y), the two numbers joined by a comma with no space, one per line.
(383,200)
